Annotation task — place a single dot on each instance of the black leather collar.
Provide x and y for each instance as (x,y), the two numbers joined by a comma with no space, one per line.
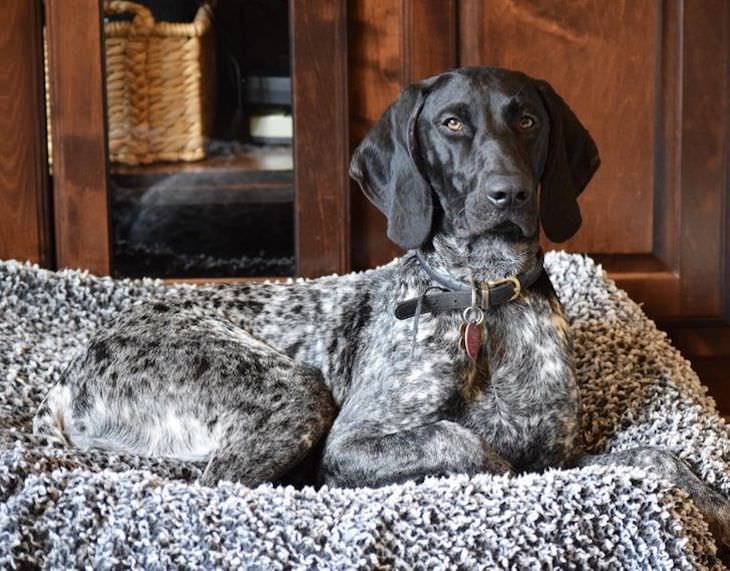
(459,295)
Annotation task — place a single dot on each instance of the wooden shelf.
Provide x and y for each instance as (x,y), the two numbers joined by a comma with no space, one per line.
(244,158)
(251,174)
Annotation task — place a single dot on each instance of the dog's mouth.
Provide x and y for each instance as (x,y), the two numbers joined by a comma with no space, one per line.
(510,231)
(510,225)
(513,229)
(507,227)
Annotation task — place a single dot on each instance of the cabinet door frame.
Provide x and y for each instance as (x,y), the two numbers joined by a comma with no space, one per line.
(25,204)
(77,98)
(321,134)
(79,132)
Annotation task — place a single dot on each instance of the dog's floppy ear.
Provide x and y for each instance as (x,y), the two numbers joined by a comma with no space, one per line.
(572,160)
(385,165)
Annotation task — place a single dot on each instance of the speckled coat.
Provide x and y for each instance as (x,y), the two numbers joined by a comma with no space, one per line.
(257,364)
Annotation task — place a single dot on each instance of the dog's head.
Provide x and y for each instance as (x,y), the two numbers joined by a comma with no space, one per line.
(464,152)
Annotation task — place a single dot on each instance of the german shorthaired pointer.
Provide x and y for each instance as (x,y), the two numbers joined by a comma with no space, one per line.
(454,358)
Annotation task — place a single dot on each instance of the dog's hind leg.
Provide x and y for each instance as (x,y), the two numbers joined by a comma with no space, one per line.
(265,437)
(167,382)
(713,505)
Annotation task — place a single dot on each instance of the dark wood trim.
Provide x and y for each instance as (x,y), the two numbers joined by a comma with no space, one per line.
(471,32)
(702,341)
(691,206)
(690,198)
(434,21)
(374,47)
(704,183)
(78,112)
(321,130)
(668,133)
(25,232)
(712,371)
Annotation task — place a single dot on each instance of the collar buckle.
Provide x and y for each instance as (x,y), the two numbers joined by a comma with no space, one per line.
(516,287)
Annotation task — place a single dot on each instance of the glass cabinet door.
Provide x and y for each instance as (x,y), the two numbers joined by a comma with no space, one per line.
(199,112)
(173,143)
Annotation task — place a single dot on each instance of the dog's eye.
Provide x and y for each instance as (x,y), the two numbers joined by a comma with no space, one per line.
(527,122)
(453,124)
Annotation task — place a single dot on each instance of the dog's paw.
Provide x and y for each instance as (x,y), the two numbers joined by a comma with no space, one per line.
(494,463)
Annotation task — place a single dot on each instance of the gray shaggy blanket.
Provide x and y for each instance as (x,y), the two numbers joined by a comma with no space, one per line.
(62,508)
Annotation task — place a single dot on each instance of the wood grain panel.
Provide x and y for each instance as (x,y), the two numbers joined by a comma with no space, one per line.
(25,231)
(668,131)
(321,152)
(375,45)
(429,38)
(704,159)
(602,58)
(391,44)
(81,206)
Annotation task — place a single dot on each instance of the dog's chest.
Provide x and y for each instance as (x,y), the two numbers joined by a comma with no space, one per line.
(528,406)
(520,395)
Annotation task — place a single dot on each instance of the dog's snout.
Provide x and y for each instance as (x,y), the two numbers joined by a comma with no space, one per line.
(507,192)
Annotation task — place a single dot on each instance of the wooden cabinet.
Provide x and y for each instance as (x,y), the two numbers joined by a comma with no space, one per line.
(648,77)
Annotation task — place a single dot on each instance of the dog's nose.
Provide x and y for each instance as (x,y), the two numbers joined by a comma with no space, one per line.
(505,196)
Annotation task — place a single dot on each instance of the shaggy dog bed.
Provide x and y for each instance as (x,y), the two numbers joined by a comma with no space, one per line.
(62,508)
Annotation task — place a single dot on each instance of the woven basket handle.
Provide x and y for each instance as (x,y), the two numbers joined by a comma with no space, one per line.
(143,18)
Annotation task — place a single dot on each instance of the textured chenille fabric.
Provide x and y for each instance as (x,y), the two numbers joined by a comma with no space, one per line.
(62,508)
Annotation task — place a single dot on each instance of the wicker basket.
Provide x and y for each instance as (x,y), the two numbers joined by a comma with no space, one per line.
(160,81)
(160,85)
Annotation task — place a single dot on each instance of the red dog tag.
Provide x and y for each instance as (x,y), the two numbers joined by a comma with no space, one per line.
(473,340)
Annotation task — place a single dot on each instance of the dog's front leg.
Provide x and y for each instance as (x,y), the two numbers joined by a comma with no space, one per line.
(362,457)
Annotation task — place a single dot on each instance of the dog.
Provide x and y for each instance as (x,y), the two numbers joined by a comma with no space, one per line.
(455,358)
